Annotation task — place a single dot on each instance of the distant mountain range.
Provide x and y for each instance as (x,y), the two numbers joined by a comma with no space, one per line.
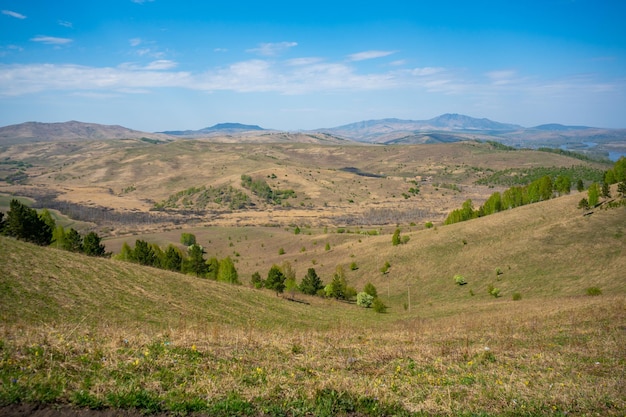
(220,128)
(70,131)
(442,129)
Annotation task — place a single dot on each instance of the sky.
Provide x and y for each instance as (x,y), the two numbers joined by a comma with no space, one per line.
(156,65)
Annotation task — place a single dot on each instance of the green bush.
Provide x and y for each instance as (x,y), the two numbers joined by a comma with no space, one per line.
(459,280)
(379,306)
(517,296)
(365,300)
(493,291)
(593,291)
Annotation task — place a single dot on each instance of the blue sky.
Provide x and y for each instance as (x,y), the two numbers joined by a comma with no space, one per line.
(165,65)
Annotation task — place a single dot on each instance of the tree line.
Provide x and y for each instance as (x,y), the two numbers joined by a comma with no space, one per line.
(283,278)
(541,189)
(192,261)
(24,223)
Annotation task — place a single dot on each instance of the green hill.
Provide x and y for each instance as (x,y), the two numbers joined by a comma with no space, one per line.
(99,333)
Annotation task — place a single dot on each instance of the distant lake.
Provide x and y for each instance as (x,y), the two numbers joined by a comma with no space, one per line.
(614,156)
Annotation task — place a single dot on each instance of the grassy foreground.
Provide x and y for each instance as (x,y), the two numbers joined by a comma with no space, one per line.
(102,334)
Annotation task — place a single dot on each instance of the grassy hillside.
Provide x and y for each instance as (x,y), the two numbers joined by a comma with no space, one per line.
(333,185)
(101,333)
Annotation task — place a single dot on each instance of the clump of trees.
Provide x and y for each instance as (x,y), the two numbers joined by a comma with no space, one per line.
(192,261)
(261,189)
(397,239)
(24,223)
(539,190)
(281,278)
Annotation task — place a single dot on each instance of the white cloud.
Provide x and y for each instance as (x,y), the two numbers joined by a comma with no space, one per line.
(135,42)
(297,62)
(13,14)
(272,49)
(141,1)
(51,40)
(362,56)
(66,24)
(161,64)
(502,77)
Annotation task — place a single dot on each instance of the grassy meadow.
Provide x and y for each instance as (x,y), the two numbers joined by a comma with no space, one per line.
(100,333)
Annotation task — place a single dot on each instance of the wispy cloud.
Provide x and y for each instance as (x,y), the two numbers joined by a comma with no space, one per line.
(272,49)
(13,14)
(66,24)
(362,56)
(51,40)
(141,1)
(135,42)
(292,77)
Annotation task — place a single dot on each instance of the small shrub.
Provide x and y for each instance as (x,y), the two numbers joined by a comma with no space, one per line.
(385,268)
(281,251)
(428,225)
(498,272)
(493,291)
(594,291)
(459,279)
(327,247)
(517,296)
(354,266)
(364,300)
(379,306)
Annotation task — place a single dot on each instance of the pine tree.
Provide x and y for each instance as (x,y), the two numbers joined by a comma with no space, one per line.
(24,223)
(73,241)
(172,259)
(275,279)
(92,245)
(195,262)
(311,283)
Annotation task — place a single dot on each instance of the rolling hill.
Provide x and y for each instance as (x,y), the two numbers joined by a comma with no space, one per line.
(100,333)
(30,132)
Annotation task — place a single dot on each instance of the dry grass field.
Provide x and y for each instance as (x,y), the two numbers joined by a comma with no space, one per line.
(102,334)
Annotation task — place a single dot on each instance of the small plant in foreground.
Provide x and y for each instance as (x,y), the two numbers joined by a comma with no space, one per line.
(517,296)
(459,280)
(493,291)
(593,291)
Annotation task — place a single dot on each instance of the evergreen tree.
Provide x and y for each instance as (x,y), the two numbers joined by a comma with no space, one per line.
(311,283)
(227,271)
(338,285)
(23,223)
(195,262)
(172,259)
(73,241)
(606,191)
(275,279)
(256,280)
(370,289)
(92,245)
(395,239)
(144,254)
(580,186)
(621,188)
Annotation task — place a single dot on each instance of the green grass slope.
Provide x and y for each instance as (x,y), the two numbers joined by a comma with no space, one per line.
(99,333)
